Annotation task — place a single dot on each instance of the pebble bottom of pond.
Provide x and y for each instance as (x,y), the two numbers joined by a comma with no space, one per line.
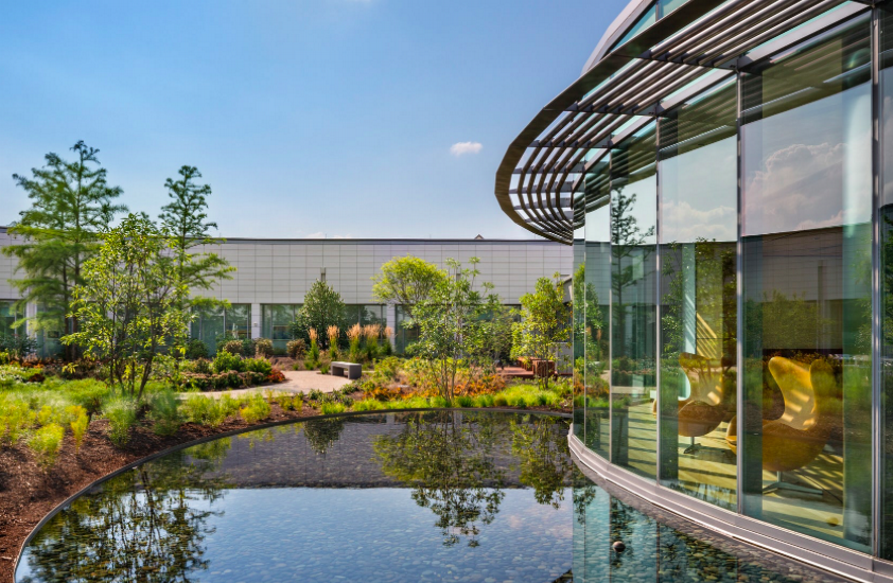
(440,496)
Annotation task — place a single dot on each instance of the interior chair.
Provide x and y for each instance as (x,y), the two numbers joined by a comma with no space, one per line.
(704,409)
(797,437)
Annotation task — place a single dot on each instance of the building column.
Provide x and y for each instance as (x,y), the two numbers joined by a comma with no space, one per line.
(255,321)
(391,320)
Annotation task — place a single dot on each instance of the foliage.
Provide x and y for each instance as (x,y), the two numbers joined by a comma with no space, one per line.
(208,411)
(72,204)
(257,365)
(545,326)
(322,307)
(451,323)
(541,447)
(165,412)
(15,420)
(451,466)
(256,409)
(184,218)
(79,422)
(332,408)
(276,376)
(312,360)
(17,345)
(195,349)
(227,361)
(371,332)
(321,434)
(368,405)
(263,347)
(324,368)
(46,442)
(121,414)
(296,348)
(589,323)
(525,395)
(126,305)
(406,281)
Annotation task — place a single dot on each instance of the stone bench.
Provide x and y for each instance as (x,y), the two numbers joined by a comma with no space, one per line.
(350,370)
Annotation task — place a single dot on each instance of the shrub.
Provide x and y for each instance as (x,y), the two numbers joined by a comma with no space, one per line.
(89,394)
(226,361)
(15,420)
(298,366)
(414,402)
(263,347)
(207,411)
(195,349)
(438,401)
(257,365)
(332,408)
(463,401)
(255,410)
(78,423)
(276,376)
(324,368)
(121,414)
(290,402)
(483,401)
(45,443)
(368,405)
(165,412)
(234,347)
(296,348)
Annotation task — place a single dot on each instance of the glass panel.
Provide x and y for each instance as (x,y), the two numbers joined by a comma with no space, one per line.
(579,333)
(667,6)
(597,294)
(8,316)
(404,336)
(645,21)
(886,279)
(633,322)
(238,321)
(373,314)
(807,288)
(276,322)
(209,327)
(698,172)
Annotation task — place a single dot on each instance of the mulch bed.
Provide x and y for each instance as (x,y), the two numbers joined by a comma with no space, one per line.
(28,493)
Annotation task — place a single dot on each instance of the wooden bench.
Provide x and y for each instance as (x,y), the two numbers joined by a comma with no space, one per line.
(350,370)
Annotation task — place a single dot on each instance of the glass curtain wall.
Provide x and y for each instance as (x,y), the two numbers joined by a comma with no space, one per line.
(276,321)
(216,323)
(698,172)
(806,245)
(885,220)
(633,307)
(579,247)
(597,309)
(8,316)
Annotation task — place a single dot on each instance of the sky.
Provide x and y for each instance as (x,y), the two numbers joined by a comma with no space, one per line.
(308,118)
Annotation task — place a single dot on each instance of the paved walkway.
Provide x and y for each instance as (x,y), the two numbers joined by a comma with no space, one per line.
(296,381)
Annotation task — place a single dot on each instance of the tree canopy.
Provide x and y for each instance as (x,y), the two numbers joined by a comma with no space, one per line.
(71,205)
(323,307)
(545,326)
(406,281)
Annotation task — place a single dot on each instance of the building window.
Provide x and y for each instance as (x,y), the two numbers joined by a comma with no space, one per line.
(276,324)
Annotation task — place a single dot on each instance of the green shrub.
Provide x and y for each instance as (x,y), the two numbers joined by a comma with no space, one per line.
(291,402)
(255,410)
(484,400)
(89,394)
(258,365)
(332,408)
(415,402)
(463,401)
(324,368)
(165,412)
(500,401)
(79,421)
(121,414)
(233,347)
(317,395)
(296,348)
(195,349)
(439,402)
(368,405)
(208,411)
(226,361)
(263,347)
(15,420)
(45,443)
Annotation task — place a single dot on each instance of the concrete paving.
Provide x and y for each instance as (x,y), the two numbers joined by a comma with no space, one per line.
(296,381)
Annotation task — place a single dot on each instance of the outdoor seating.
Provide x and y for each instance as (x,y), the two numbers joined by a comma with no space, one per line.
(351,370)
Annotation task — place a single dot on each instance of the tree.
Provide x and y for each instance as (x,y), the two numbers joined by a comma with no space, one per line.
(185,219)
(452,324)
(127,305)
(323,307)
(545,326)
(590,322)
(406,281)
(71,205)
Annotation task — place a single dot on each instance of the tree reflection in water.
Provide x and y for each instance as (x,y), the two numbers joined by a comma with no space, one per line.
(143,526)
(450,460)
(322,434)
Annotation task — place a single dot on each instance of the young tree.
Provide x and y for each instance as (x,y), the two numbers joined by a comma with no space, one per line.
(71,205)
(127,304)
(545,326)
(185,218)
(453,325)
(406,281)
(323,307)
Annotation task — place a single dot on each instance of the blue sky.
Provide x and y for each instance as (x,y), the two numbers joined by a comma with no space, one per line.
(307,117)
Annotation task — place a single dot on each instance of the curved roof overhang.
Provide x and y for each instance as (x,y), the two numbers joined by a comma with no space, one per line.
(698,45)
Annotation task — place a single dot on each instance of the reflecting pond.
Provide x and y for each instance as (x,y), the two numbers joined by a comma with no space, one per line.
(436,496)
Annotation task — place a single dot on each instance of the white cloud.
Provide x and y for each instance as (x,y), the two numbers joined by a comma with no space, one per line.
(462,148)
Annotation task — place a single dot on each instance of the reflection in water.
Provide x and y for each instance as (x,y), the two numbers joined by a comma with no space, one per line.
(348,498)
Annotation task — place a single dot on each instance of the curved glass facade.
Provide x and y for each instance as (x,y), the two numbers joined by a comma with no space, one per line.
(735,345)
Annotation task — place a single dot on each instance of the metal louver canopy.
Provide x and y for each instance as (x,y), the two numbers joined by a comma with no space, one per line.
(699,44)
